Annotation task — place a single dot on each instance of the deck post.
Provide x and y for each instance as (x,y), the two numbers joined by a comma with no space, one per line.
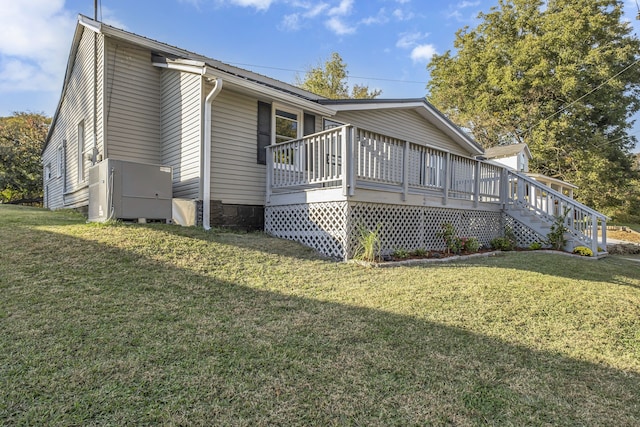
(594,235)
(269,174)
(445,170)
(347,161)
(504,188)
(405,172)
(476,185)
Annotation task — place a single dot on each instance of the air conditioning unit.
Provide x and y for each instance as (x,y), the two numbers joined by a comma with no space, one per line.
(120,189)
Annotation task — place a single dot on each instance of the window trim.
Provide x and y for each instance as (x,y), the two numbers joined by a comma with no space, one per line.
(47,172)
(81,150)
(59,160)
(291,110)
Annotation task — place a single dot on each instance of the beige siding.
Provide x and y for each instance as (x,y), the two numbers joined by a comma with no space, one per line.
(236,178)
(68,189)
(181,134)
(133,104)
(402,124)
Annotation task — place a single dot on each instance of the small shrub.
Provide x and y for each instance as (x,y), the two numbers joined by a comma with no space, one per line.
(555,237)
(400,253)
(420,253)
(582,251)
(471,245)
(502,244)
(451,241)
(369,248)
(535,246)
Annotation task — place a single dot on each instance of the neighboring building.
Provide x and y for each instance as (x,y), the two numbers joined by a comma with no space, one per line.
(243,150)
(516,157)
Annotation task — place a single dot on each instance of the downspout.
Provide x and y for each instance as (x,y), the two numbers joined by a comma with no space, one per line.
(206,166)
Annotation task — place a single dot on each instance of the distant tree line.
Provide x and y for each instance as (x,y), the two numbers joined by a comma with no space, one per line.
(22,138)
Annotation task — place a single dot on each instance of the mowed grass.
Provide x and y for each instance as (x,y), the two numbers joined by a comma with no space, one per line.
(162,325)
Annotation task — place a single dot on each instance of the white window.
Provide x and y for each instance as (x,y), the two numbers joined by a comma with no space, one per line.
(330,124)
(59,161)
(81,151)
(47,172)
(287,125)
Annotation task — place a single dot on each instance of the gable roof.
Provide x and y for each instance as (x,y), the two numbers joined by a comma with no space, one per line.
(420,105)
(510,150)
(167,56)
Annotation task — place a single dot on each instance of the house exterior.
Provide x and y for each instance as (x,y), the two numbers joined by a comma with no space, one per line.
(244,150)
(516,157)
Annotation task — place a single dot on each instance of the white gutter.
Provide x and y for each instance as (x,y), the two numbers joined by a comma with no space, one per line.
(206,155)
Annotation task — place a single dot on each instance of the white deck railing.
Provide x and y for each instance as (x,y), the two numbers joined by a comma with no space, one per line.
(352,158)
(582,221)
(371,159)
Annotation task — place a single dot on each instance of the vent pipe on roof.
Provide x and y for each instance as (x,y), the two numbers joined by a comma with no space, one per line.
(206,155)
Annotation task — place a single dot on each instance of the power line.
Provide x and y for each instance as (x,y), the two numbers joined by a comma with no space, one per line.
(349,76)
(560,110)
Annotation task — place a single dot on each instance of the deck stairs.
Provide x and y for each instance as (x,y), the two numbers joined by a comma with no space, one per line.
(537,207)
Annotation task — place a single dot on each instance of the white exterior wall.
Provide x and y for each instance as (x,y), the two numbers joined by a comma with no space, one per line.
(133,104)
(236,177)
(181,130)
(66,189)
(402,124)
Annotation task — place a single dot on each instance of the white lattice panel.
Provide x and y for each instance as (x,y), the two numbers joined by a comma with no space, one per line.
(333,228)
(415,227)
(321,226)
(525,236)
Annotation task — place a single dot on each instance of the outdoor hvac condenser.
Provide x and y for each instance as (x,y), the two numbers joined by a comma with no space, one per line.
(125,190)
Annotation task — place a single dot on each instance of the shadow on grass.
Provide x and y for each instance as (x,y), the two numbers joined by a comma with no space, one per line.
(92,334)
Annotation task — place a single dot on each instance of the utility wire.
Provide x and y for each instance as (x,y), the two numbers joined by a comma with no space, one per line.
(349,76)
(582,97)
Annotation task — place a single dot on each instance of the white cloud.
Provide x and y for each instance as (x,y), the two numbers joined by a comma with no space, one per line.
(258,4)
(380,18)
(401,15)
(35,38)
(465,4)
(423,53)
(409,40)
(343,9)
(290,22)
(339,27)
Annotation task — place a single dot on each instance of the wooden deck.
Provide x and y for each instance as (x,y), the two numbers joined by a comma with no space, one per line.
(347,166)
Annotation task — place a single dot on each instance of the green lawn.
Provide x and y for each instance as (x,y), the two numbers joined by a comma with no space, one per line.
(162,325)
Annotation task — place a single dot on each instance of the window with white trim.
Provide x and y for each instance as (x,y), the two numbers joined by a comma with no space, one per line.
(81,151)
(59,161)
(47,172)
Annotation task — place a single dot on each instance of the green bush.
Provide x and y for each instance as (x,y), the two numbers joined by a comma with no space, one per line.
(582,251)
(420,252)
(535,246)
(502,244)
(470,245)
(400,253)
(369,244)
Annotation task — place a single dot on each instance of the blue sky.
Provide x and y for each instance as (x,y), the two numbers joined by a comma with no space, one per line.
(385,43)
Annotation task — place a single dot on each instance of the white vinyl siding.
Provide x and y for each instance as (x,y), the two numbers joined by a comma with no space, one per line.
(133,104)
(402,124)
(181,134)
(66,189)
(235,176)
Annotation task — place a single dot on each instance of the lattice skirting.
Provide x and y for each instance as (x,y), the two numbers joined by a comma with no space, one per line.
(321,226)
(525,236)
(332,228)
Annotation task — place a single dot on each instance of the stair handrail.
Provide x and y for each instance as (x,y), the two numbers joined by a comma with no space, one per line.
(557,194)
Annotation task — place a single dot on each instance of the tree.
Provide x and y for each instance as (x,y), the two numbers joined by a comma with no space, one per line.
(22,138)
(560,75)
(330,81)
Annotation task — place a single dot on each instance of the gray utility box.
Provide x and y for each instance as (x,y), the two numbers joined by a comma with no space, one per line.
(121,189)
